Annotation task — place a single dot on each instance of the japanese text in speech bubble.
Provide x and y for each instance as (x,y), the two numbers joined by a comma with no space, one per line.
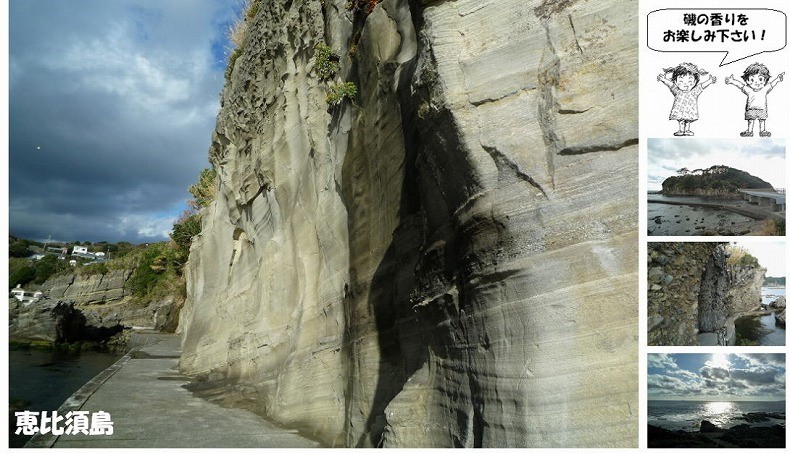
(738,32)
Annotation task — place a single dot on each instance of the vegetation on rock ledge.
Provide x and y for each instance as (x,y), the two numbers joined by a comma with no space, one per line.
(337,93)
(326,62)
(741,257)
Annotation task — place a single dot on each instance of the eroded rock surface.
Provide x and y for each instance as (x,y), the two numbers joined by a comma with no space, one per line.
(451,259)
(694,294)
(781,312)
(675,281)
(99,306)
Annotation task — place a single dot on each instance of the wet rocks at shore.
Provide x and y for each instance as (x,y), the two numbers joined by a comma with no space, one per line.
(780,306)
(712,436)
(759,417)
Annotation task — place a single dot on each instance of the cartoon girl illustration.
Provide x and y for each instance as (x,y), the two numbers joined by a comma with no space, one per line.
(756,77)
(684,83)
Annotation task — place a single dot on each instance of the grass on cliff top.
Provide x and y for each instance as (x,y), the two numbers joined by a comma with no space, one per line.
(741,257)
(772,228)
(237,33)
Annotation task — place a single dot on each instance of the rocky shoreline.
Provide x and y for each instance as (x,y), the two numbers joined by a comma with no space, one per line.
(711,436)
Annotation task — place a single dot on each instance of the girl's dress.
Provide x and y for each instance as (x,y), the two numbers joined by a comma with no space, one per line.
(685,106)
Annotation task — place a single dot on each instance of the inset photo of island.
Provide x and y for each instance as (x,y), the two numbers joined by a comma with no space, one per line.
(716,293)
(716,400)
(706,187)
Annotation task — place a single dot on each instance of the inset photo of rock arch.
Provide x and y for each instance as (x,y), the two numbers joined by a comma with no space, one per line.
(716,294)
(707,187)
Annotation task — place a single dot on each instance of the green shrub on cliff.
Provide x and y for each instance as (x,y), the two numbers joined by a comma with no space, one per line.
(184,230)
(237,33)
(94,269)
(19,248)
(232,61)
(188,225)
(326,62)
(144,277)
(204,190)
(337,93)
(22,275)
(47,267)
(156,273)
(741,257)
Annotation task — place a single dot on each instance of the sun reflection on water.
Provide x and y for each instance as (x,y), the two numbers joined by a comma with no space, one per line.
(718,412)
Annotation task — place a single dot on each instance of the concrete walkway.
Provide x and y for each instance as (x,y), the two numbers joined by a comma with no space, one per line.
(143,394)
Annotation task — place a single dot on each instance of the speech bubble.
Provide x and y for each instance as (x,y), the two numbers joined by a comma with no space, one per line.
(739,32)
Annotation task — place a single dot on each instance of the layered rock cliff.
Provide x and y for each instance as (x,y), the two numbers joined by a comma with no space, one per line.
(88,308)
(448,260)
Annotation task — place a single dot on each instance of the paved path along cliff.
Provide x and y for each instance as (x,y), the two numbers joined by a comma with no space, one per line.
(145,396)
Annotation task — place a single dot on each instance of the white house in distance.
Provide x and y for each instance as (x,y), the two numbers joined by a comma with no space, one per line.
(79,250)
(82,251)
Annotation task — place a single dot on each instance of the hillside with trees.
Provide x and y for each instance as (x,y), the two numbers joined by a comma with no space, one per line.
(718,180)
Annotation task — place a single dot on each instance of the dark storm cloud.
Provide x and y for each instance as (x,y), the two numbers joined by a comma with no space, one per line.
(111,107)
(754,377)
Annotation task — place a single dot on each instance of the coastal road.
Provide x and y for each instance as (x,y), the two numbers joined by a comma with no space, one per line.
(149,407)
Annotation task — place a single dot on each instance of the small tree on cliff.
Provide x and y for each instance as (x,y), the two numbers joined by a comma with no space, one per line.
(184,230)
(188,225)
(205,189)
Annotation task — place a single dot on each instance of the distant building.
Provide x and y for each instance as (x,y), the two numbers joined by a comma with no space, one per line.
(25,296)
(82,251)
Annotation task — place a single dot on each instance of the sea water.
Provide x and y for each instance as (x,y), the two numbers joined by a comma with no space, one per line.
(761,330)
(771,293)
(43,380)
(682,220)
(687,415)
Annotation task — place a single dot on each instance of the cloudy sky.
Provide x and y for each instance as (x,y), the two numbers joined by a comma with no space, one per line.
(716,377)
(111,109)
(764,158)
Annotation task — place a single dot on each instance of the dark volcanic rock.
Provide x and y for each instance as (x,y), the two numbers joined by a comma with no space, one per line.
(756,437)
(710,436)
(757,417)
(664,438)
(708,427)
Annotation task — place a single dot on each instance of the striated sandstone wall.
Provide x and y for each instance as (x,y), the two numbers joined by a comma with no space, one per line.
(105,302)
(448,261)
(88,289)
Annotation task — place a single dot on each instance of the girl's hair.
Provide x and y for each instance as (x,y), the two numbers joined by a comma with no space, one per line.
(756,69)
(686,69)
